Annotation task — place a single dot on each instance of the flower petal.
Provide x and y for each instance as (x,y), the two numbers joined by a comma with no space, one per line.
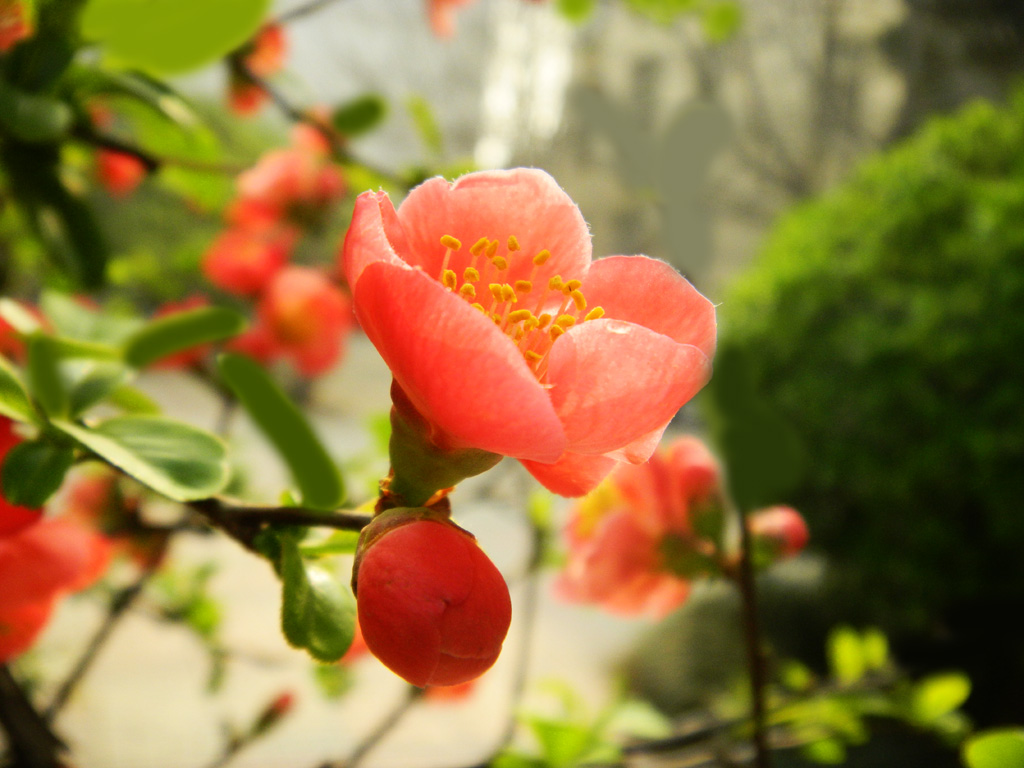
(615,382)
(373,235)
(573,474)
(459,370)
(651,293)
(525,202)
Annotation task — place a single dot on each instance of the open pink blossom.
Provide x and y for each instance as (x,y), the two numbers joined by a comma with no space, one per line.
(308,317)
(242,260)
(38,566)
(623,537)
(481,296)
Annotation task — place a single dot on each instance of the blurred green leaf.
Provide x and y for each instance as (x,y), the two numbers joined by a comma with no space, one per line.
(721,20)
(19,318)
(517,760)
(31,117)
(44,379)
(875,647)
(562,744)
(338,543)
(825,751)
(179,331)
(845,656)
(317,611)
(14,400)
(71,317)
(34,470)
(132,400)
(576,10)
(286,427)
(89,81)
(360,115)
(333,680)
(90,381)
(174,459)
(939,695)
(425,122)
(171,35)
(1003,748)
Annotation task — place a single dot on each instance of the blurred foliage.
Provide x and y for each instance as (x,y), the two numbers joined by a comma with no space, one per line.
(883,322)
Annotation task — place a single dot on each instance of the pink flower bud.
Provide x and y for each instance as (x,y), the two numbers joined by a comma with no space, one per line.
(782,528)
(119,172)
(432,606)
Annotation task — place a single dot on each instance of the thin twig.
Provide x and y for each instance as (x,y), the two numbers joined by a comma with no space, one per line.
(299,11)
(151,161)
(372,739)
(118,609)
(29,737)
(752,637)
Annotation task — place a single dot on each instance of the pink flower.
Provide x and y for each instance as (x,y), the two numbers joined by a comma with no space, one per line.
(308,317)
(780,529)
(442,15)
(624,539)
(242,261)
(262,57)
(119,172)
(432,606)
(481,297)
(13,518)
(38,566)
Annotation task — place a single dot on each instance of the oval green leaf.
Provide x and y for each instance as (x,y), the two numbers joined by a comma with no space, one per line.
(14,402)
(939,695)
(174,459)
(1003,748)
(171,35)
(33,117)
(44,379)
(312,468)
(360,115)
(33,471)
(317,610)
(180,331)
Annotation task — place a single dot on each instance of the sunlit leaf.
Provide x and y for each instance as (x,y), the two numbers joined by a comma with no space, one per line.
(1003,748)
(179,331)
(938,695)
(576,10)
(317,610)
(425,123)
(44,379)
(846,659)
(174,459)
(14,401)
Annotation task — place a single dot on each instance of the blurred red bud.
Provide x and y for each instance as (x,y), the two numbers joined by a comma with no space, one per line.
(782,528)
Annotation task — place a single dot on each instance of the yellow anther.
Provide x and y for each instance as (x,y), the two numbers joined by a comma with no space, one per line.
(578,300)
(492,248)
(495,289)
(450,279)
(519,334)
(496,318)
(595,313)
(519,315)
(523,286)
(480,307)
(565,321)
(541,257)
(508,293)
(479,246)
(555,283)
(470,275)
(531,355)
(450,242)
(556,331)
(500,262)
(543,320)
(574,285)
(467,291)
(513,243)
(531,323)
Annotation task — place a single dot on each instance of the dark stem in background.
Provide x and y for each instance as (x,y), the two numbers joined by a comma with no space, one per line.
(119,606)
(29,737)
(752,636)
(293,14)
(372,739)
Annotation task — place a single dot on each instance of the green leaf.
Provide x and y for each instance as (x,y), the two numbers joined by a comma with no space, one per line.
(1002,748)
(825,751)
(70,317)
(14,401)
(19,318)
(33,471)
(721,20)
(425,123)
(333,680)
(32,117)
(174,459)
(132,400)
(939,695)
(846,659)
(360,115)
(155,94)
(576,11)
(171,35)
(44,379)
(317,611)
(561,743)
(875,646)
(90,382)
(338,543)
(181,330)
(284,425)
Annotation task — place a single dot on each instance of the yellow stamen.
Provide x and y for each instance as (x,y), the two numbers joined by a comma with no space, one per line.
(497,319)
(500,262)
(534,356)
(578,300)
(480,307)
(531,323)
(595,313)
(519,334)
(541,257)
(572,285)
(523,286)
(565,321)
(450,242)
(543,320)
(519,315)
(470,275)
(555,283)
(450,279)
(556,331)
(492,248)
(513,244)
(508,293)
(495,289)
(479,246)
(467,291)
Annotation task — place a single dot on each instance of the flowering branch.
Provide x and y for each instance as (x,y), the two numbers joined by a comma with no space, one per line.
(150,161)
(30,739)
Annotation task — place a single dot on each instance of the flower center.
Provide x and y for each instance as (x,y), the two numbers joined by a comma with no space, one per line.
(533,319)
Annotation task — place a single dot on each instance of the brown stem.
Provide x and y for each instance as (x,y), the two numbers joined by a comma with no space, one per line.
(744,577)
(302,10)
(29,737)
(150,161)
(393,718)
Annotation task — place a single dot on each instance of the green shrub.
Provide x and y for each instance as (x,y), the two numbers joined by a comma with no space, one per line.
(886,320)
